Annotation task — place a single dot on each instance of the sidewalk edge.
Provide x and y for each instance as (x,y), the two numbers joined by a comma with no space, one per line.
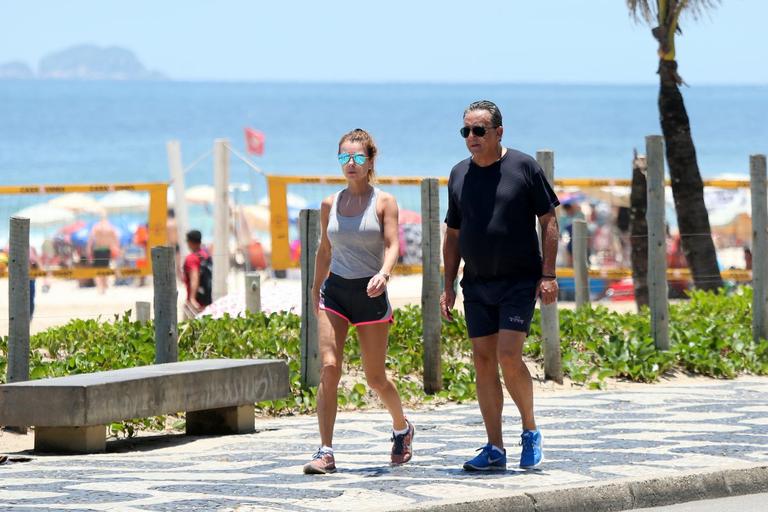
(621,495)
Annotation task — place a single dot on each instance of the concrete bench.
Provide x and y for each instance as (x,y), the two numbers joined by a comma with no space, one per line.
(70,414)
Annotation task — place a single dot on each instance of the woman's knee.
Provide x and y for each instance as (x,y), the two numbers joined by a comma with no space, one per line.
(330,373)
(377,382)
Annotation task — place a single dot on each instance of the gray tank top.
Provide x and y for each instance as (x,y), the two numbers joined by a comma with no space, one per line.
(357,243)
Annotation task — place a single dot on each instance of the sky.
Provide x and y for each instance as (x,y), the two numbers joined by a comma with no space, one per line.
(487,41)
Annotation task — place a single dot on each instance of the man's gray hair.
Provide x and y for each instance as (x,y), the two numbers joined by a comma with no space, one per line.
(488,106)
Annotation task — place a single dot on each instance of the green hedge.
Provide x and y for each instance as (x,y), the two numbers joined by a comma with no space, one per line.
(710,335)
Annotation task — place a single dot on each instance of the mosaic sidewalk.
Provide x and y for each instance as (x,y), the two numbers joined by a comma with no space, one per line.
(589,437)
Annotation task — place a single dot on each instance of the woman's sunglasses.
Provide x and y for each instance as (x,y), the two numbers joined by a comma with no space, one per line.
(477,131)
(359,158)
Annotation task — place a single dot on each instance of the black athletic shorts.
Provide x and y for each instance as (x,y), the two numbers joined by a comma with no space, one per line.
(494,304)
(348,299)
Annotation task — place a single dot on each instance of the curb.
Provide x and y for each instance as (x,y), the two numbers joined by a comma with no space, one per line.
(621,495)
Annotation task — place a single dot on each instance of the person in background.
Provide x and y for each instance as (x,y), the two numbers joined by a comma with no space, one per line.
(141,241)
(358,250)
(103,245)
(192,273)
(494,199)
(747,258)
(34,264)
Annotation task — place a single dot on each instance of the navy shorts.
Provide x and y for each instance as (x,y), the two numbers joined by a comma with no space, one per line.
(348,299)
(491,305)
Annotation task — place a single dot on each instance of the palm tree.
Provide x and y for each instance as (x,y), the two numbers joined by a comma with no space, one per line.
(687,186)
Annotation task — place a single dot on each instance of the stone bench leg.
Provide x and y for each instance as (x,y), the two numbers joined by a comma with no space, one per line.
(226,420)
(87,439)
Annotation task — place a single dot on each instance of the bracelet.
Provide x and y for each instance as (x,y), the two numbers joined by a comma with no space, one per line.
(385,275)
(546,276)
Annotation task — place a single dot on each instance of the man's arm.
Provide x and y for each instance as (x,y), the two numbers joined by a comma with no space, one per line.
(451,260)
(194,284)
(550,235)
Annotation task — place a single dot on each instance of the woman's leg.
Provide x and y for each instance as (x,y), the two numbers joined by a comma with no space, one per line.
(332,332)
(373,348)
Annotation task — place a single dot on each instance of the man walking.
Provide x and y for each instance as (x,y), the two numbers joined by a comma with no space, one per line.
(494,198)
(197,273)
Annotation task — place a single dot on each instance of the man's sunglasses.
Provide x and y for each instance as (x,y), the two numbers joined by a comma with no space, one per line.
(477,131)
(359,158)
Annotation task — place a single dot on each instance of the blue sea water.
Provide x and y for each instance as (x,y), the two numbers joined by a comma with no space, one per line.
(113,132)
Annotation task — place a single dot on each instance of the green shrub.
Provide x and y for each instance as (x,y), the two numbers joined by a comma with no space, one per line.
(710,334)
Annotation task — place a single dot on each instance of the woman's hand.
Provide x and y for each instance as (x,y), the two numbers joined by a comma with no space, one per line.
(377,285)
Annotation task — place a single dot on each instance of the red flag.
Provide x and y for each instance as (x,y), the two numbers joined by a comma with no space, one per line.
(254,141)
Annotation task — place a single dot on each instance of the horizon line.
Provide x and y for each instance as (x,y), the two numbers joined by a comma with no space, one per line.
(384,82)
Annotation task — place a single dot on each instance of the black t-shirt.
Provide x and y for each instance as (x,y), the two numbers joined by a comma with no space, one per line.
(495,209)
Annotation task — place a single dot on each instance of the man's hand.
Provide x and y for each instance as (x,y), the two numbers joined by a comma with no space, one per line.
(547,290)
(447,300)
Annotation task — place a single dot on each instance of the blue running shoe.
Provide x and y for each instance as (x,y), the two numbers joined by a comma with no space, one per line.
(531,443)
(487,460)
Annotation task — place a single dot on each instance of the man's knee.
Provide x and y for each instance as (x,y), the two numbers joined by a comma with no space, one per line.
(511,360)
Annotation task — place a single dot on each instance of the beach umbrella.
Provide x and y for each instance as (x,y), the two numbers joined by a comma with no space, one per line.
(200,194)
(409,217)
(45,215)
(72,228)
(124,201)
(257,217)
(77,202)
(294,201)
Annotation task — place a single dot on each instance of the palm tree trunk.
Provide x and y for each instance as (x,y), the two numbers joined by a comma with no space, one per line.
(687,186)
(638,228)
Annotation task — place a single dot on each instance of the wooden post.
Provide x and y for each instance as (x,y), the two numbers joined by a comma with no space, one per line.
(757,175)
(580,262)
(430,284)
(220,218)
(309,227)
(550,321)
(253,292)
(143,311)
(173,148)
(657,243)
(18,301)
(164,281)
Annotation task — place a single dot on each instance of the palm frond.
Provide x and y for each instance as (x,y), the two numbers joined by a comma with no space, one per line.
(648,10)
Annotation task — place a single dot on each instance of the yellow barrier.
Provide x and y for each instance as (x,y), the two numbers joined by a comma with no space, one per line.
(156,224)
(277,187)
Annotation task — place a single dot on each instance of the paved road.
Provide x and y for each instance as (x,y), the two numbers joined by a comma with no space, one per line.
(590,439)
(748,503)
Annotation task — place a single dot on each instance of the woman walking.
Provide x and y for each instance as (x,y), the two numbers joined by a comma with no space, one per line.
(358,250)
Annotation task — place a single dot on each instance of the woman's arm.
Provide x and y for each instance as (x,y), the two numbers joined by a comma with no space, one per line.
(389,220)
(323,257)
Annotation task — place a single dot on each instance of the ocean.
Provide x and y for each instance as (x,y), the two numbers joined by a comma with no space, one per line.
(113,132)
